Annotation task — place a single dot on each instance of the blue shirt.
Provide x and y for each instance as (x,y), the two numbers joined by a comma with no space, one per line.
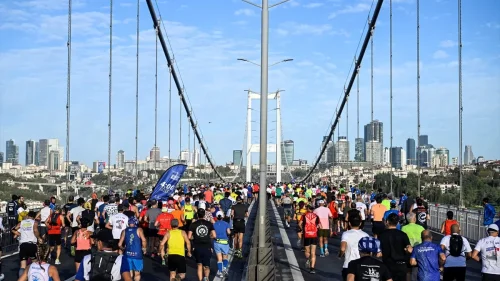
(387,213)
(489,214)
(133,243)
(101,210)
(427,256)
(52,206)
(221,228)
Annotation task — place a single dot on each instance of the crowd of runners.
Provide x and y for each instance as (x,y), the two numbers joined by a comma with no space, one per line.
(400,246)
(108,237)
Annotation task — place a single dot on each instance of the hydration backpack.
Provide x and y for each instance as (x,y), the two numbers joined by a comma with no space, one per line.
(101,264)
(53,219)
(11,209)
(456,244)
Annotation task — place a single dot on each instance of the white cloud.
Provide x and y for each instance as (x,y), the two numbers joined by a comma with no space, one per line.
(448,44)
(245,12)
(313,5)
(440,54)
(494,25)
(351,9)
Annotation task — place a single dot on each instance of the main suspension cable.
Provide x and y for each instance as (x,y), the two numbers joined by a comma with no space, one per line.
(68,96)
(110,88)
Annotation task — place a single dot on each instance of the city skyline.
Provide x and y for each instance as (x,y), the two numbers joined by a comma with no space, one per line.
(207,40)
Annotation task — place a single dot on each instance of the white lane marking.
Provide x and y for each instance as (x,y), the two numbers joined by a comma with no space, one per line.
(290,256)
(70,279)
(230,255)
(9,255)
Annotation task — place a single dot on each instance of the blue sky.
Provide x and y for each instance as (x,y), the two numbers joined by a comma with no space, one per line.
(208,36)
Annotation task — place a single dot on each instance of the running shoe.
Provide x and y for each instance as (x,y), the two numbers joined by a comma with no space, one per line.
(57,262)
(298,243)
(326,252)
(220,274)
(308,264)
(72,251)
(312,271)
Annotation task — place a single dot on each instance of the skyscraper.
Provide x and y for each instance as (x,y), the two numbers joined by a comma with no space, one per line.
(11,152)
(410,152)
(424,140)
(359,149)
(30,152)
(1,158)
(468,155)
(120,159)
(444,151)
(185,156)
(374,152)
(330,154)
(324,157)
(374,131)
(154,154)
(196,157)
(238,157)
(287,151)
(54,163)
(46,146)
(342,150)
(397,157)
(37,153)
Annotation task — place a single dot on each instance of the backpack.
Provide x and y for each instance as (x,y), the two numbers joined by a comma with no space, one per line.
(456,244)
(333,208)
(53,219)
(101,264)
(310,229)
(11,209)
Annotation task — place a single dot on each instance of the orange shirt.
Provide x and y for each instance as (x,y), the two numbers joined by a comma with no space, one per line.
(178,214)
(209,196)
(378,212)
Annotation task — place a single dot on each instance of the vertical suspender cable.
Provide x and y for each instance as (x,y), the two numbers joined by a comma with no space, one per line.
(110,87)
(372,133)
(189,146)
(180,127)
(137,94)
(418,98)
(460,106)
(156,100)
(169,115)
(390,83)
(357,109)
(68,94)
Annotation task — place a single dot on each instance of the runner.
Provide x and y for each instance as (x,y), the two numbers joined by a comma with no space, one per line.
(324,216)
(133,243)
(27,231)
(457,250)
(446,226)
(163,223)
(413,230)
(221,244)
(429,258)
(377,212)
(287,209)
(309,226)
(201,232)
(422,214)
(82,241)
(299,213)
(42,216)
(488,248)
(367,267)
(349,243)
(117,223)
(40,269)
(55,223)
(175,239)
(334,223)
(239,213)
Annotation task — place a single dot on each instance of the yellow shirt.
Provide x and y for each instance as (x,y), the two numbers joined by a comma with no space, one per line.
(176,242)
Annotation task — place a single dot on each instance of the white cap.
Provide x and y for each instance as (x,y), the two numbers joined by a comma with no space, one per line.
(321,202)
(201,205)
(493,226)
(219,213)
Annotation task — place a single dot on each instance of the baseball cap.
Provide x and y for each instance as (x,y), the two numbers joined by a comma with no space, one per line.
(219,213)
(202,205)
(493,227)
(321,202)
(369,245)
(164,209)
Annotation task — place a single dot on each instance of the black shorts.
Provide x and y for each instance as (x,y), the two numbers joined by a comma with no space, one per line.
(323,232)
(177,263)
(278,197)
(378,227)
(310,241)
(42,230)
(255,192)
(152,232)
(27,251)
(74,230)
(239,226)
(79,254)
(341,217)
(202,256)
(54,239)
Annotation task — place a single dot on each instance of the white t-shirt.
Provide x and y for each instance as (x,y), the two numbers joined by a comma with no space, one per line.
(452,261)
(75,212)
(352,238)
(119,222)
(488,247)
(98,204)
(361,207)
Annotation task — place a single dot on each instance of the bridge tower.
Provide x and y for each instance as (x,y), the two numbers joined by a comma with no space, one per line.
(255,147)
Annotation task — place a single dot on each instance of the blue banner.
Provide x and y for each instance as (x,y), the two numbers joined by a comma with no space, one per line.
(165,186)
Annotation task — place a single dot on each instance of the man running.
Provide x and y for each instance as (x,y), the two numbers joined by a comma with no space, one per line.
(324,216)
(175,240)
(27,231)
(309,226)
(287,209)
(367,266)
(133,243)
(239,213)
(201,232)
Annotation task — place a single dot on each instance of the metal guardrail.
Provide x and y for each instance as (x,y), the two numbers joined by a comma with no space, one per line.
(261,265)
(471,221)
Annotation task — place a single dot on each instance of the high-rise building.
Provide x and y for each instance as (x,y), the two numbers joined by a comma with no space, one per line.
(468,155)
(185,156)
(359,149)
(238,157)
(410,152)
(324,157)
(11,152)
(330,153)
(374,131)
(196,157)
(287,152)
(425,154)
(480,159)
(423,140)
(54,163)
(444,151)
(374,152)
(387,156)
(1,158)
(120,159)
(454,161)
(154,154)
(37,153)
(30,152)
(397,157)
(47,145)
(342,150)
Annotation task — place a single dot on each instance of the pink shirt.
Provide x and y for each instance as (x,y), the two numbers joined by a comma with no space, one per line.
(324,215)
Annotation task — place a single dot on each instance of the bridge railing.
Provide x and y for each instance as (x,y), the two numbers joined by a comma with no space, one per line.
(471,221)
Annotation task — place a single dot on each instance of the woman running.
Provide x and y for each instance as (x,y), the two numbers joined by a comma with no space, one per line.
(40,269)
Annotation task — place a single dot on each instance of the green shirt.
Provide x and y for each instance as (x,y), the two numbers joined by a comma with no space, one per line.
(414,232)
(386,203)
(278,191)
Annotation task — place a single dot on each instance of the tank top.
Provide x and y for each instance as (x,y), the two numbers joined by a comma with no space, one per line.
(55,229)
(176,243)
(421,216)
(44,214)
(82,240)
(26,230)
(38,272)
(133,244)
(299,213)
(447,226)
(188,212)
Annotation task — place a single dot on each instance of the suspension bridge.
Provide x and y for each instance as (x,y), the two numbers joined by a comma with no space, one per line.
(287,262)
